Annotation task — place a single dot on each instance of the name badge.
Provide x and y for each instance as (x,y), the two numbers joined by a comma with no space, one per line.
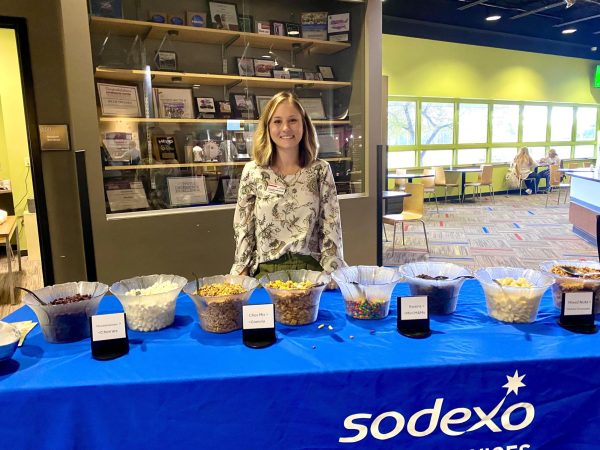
(413,316)
(109,336)
(275,189)
(258,325)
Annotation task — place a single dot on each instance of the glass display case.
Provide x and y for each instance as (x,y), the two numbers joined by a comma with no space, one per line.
(179,93)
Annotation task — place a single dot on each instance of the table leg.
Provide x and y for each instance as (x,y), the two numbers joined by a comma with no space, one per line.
(11,282)
(18,247)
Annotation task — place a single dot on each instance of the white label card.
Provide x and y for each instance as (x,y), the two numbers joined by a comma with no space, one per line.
(578,303)
(258,316)
(413,308)
(275,189)
(108,326)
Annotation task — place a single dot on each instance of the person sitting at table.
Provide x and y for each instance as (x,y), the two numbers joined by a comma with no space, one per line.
(551,159)
(287,214)
(524,165)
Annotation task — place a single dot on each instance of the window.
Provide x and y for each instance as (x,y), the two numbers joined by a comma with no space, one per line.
(537,153)
(586,124)
(584,151)
(398,160)
(401,122)
(563,151)
(471,156)
(535,120)
(436,158)
(472,123)
(505,123)
(503,155)
(561,123)
(437,123)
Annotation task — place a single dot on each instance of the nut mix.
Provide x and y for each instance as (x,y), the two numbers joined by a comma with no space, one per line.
(298,306)
(223,312)
(570,281)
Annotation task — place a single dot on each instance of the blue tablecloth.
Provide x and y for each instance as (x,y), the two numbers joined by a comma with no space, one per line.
(462,388)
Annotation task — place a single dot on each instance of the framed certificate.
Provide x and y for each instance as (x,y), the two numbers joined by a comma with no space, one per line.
(186,191)
(119,100)
(126,196)
(173,103)
(223,15)
(313,107)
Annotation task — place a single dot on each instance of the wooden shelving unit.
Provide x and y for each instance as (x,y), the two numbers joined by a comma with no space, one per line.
(151,30)
(203,121)
(203,164)
(207,79)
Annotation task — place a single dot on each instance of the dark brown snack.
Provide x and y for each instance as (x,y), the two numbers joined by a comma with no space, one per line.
(72,299)
(424,276)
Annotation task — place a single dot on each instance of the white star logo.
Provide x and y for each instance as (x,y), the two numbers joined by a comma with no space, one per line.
(514,383)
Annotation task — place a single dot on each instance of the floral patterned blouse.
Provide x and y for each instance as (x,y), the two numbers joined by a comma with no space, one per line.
(296,213)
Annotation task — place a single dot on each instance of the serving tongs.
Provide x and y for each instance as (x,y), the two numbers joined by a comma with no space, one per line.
(577,274)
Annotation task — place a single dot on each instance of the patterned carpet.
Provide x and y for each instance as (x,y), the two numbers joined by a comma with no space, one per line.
(514,231)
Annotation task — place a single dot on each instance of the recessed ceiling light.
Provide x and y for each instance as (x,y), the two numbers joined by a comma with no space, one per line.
(569,30)
(493,17)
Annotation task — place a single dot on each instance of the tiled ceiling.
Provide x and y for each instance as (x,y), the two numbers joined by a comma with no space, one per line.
(531,25)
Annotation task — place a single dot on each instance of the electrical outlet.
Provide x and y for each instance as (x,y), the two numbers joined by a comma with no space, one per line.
(27,162)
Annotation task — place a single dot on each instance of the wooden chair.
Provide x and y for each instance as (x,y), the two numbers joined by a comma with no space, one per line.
(440,180)
(429,185)
(413,211)
(555,183)
(399,183)
(484,178)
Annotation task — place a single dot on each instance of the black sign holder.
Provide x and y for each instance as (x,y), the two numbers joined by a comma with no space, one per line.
(413,328)
(259,337)
(583,324)
(109,348)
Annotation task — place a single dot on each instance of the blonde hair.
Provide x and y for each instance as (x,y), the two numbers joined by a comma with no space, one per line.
(552,153)
(524,158)
(263,146)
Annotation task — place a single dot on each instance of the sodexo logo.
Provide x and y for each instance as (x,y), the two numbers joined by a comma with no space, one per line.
(515,417)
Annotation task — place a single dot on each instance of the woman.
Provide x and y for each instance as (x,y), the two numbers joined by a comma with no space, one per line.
(287,215)
(524,165)
(551,159)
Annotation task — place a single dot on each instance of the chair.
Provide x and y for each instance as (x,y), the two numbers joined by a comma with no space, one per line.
(429,185)
(413,211)
(440,180)
(555,183)
(484,178)
(399,183)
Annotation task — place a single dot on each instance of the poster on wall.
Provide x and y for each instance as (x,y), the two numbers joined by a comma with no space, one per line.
(186,191)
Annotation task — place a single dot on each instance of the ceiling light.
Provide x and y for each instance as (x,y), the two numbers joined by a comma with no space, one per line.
(493,17)
(569,30)
(570,3)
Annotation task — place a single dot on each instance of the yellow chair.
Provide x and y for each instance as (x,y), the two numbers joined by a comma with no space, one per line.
(399,183)
(413,211)
(429,185)
(555,183)
(484,178)
(440,180)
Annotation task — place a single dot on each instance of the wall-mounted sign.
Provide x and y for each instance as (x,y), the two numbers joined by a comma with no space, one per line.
(54,137)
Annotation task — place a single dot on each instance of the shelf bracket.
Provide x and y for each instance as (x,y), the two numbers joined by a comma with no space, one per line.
(300,48)
(168,34)
(230,42)
(224,47)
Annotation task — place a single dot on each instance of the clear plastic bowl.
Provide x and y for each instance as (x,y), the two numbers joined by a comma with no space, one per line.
(569,283)
(9,339)
(68,322)
(222,313)
(150,311)
(296,306)
(509,303)
(367,290)
(443,294)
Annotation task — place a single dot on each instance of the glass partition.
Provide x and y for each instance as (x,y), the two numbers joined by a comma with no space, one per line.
(180,93)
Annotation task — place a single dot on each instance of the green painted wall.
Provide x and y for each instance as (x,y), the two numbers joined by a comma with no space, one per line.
(14,146)
(426,68)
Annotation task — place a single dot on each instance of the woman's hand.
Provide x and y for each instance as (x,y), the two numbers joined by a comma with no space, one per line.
(246,272)
(331,286)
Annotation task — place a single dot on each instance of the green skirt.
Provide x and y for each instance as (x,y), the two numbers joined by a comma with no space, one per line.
(289,261)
